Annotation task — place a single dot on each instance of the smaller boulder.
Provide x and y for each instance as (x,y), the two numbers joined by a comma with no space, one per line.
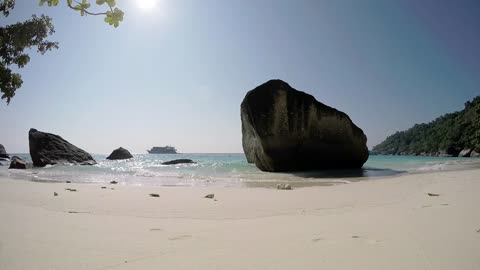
(474,154)
(449,152)
(465,153)
(18,163)
(3,153)
(178,161)
(47,148)
(120,153)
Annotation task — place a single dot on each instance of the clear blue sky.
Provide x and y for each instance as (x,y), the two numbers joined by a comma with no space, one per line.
(176,74)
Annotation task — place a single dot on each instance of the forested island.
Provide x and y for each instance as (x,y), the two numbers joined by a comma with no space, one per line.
(453,134)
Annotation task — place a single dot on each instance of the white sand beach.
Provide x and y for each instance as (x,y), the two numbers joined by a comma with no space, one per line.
(390,223)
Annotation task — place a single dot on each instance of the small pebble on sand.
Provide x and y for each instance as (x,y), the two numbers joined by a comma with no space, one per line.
(284,187)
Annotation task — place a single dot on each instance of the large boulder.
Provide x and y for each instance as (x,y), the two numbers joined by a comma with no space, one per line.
(284,129)
(47,148)
(3,153)
(18,163)
(474,154)
(120,153)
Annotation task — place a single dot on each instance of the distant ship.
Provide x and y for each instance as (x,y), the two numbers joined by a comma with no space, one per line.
(162,150)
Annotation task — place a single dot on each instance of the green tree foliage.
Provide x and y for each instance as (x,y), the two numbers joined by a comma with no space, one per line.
(16,39)
(113,15)
(448,134)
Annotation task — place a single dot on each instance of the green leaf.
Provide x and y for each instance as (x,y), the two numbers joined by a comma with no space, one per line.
(111,3)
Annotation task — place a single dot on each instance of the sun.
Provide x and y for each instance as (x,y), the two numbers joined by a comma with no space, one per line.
(146,5)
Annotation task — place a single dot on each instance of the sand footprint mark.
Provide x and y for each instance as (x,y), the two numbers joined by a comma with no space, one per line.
(180,237)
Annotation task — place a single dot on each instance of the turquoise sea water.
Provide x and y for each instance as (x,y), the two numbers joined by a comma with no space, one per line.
(226,170)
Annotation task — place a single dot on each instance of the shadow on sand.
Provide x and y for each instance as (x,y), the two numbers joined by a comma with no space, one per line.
(349,173)
(323,177)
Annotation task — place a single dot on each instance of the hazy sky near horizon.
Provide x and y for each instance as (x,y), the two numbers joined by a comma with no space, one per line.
(176,74)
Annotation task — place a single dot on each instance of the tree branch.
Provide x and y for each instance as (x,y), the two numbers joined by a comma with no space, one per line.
(86,11)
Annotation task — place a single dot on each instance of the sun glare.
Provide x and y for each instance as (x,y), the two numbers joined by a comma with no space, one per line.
(146,5)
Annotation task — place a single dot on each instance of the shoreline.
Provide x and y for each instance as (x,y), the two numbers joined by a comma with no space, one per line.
(389,223)
(231,171)
(311,178)
(206,176)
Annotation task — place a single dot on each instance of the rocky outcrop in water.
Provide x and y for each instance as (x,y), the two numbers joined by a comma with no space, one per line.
(284,129)
(178,161)
(17,163)
(120,153)
(3,153)
(47,148)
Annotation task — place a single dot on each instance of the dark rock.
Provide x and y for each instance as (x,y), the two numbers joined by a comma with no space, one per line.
(55,194)
(178,161)
(154,195)
(47,148)
(113,182)
(18,163)
(449,152)
(465,153)
(120,153)
(433,194)
(3,153)
(288,130)
(209,196)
